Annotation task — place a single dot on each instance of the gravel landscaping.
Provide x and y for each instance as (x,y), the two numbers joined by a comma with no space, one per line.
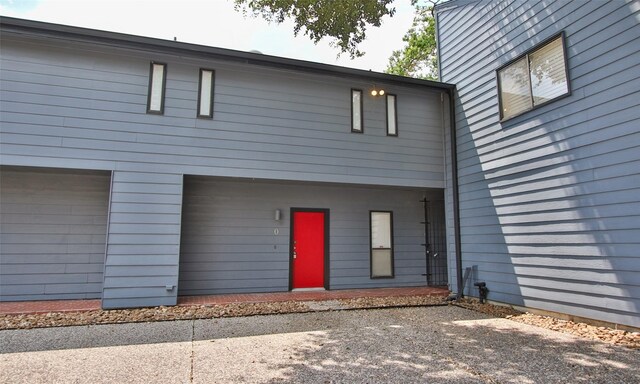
(60,319)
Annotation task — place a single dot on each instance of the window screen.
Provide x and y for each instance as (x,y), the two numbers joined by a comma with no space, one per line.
(533,79)
(381,244)
(548,73)
(515,89)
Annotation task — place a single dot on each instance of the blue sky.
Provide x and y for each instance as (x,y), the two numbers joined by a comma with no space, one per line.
(213,23)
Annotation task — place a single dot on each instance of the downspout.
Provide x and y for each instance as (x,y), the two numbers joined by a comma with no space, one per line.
(454,164)
(456,196)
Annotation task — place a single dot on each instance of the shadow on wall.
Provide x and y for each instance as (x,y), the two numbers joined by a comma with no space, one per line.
(549,205)
(483,241)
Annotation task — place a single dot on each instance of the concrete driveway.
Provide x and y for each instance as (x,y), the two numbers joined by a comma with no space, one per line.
(407,345)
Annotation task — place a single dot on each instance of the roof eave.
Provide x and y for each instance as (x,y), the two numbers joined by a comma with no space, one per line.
(127,40)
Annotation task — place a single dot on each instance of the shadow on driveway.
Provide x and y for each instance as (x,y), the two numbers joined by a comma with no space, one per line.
(411,345)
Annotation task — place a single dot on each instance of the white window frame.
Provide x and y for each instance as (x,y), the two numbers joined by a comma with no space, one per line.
(526,57)
(157,87)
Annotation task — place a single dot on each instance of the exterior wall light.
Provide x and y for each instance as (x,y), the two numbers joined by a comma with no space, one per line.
(377,92)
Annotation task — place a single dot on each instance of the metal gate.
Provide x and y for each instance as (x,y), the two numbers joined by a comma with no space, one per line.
(435,242)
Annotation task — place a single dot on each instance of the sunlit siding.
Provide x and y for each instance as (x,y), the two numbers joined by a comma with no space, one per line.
(550,200)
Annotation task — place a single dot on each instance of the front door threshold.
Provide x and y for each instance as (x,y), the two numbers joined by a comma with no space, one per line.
(308,289)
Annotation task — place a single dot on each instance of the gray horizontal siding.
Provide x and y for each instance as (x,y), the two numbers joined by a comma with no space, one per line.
(550,200)
(86,106)
(52,233)
(228,242)
(143,240)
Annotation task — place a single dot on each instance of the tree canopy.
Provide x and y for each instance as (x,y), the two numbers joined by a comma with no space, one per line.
(346,23)
(419,57)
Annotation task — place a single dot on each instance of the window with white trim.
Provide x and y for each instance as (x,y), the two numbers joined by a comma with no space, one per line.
(381,226)
(534,79)
(157,80)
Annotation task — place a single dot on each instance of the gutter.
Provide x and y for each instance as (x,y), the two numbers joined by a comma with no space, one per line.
(122,40)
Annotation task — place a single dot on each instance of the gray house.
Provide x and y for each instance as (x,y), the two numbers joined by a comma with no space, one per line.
(547,117)
(135,170)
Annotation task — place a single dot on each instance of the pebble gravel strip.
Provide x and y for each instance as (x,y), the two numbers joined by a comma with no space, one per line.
(61,319)
(605,334)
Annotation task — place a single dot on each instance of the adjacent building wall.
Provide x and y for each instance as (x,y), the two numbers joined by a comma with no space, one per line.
(550,200)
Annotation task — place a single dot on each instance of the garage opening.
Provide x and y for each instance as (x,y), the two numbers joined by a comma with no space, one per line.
(52,232)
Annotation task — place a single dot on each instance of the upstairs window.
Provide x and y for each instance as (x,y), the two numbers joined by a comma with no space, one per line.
(357,120)
(157,80)
(381,225)
(534,79)
(205,93)
(392,115)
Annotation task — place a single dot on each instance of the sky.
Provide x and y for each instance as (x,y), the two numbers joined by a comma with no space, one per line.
(214,23)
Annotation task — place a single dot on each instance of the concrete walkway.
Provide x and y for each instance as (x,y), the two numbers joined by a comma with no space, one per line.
(408,345)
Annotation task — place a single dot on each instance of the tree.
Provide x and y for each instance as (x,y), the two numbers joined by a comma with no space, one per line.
(345,21)
(419,57)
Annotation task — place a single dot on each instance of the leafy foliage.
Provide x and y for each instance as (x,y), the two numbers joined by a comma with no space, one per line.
(419,56)
(345,21)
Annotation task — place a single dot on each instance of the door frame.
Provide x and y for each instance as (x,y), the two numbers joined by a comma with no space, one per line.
(325,211)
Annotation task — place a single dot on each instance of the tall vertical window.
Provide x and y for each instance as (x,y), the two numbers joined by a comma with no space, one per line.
(205,93)
(392,115)
(356,111)
(381,224)
(157,80)
(537,77)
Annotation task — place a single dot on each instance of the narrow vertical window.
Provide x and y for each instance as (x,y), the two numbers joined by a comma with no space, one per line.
(205,93)
(157,80)
(356,111)
(392,116)
(381,224)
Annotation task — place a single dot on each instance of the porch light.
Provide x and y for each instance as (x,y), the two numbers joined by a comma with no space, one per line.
(377,92)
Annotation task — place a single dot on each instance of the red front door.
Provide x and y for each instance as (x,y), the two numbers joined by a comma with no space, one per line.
(308,249)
